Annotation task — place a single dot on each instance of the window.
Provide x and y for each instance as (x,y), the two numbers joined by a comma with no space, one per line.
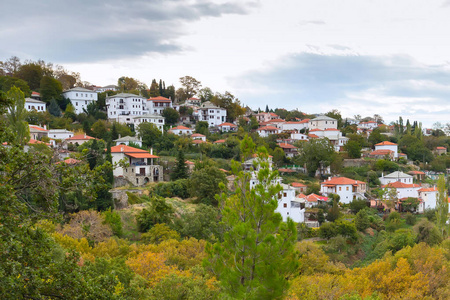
(76,103)
(347,188)
(76,94)
(284,204)
(284,194)
(340,188)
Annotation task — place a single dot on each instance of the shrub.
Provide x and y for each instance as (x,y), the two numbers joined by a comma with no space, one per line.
(328,230)
(113,219)
(393,215)
(410,219)
(430,214)
(159,233)
(156,212)
(362,221)
(178,188)
(357,204)
(427,232)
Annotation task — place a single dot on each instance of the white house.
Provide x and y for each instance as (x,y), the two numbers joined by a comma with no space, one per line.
(289,206)
(111,87)
(403,190)
(428,197)
(322,123)
(368,125)
(333,135)
(299,137)
(80,98)
(289,150)
(387,146)
(295,125)
(59,134)
(38,132)
(299,187)
(268,130)
(198,136)
(212,114)
(226,127)
(124,106)
(179,130)
(348,189)
(157,120)
(142,167)
(34,105)
(193,101)
(79,139)
(396,176)
(157,105)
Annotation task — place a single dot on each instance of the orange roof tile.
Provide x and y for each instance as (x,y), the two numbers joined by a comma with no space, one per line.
(416,173)
(386,143)
(80,137)
(228,124)
(342,181)
(141,155)
(69,161)
(276,120)
(286,170)
(198,142)
(313,136)
(441,148)
(400,185)
(219,141)
(38,128)
(197,135)
(179,127)
(298,184)
(270,128)
(126,149)
(159,99)
(381,152)
(286,146)
(432,189)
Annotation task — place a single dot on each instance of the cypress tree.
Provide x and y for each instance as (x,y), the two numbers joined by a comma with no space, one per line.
(180,170)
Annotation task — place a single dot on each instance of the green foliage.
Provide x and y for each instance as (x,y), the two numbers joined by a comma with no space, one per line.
(334,212)
(430,214)
(357,204)
(316,154)
(414,148)
(353,149)
(54,109)
(16,115)
(178,188)
(157,211)
(347,229)
(180,171)
(149,133)
(362,221)
(7,82)
(50,88)
(257,254)
(113,219)
(386,165)
(410,219)
(171,115)
(204,184)
(202,223)
(427,232)
(442,205)
(159,233)
(328,230)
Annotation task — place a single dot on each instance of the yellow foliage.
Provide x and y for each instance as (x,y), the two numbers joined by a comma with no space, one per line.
(151,266)
(111,248)
(79,245)
(184,254)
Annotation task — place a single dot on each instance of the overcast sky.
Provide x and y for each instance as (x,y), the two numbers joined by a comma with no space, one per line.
(358,56)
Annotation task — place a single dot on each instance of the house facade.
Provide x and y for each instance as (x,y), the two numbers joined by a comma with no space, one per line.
(34,105)
(124,106)
(212,114)
(396,176)
(347,189)
(156,120)
(388,146)
(227,127)
(80,98)
(141,165)
(59,134)
(322,122)
(180,130)
(265,131)
(157,105)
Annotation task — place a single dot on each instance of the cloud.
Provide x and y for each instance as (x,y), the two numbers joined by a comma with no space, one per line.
(83,31)
(354,84)
(311,22)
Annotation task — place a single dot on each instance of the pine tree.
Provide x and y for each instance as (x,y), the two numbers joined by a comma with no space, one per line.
(180,170)
(257,254)
(160,88)
(267,108)
(54,109)
(114,134)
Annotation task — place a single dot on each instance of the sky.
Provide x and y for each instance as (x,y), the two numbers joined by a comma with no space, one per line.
(364,57)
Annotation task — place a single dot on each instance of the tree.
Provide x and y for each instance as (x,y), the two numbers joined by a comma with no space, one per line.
(334,212)
(54,109)
(201,224)
(6,83)
(180,171)
(126,84)
(32,73)
(190,85)
(157,211)
(51,88)
(317,154)
(362,221)
(353,149)
(328,230)
(205,94)
(171,115)
(441,205)
(256,257)
(202,127)
(149,133)
(154,89)
(335,114)
(16,115)
(205,184)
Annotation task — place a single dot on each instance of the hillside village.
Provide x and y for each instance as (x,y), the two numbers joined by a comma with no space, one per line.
(135,167)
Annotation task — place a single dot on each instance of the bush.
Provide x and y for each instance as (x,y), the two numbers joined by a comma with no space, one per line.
(393,215)
(357,204)
(203,223)
(410,219)
(157,211)
(430,214)
(362,221)
(427,232)
(393,225)
(178,188)
(113,219)
(159,233)
(328,230)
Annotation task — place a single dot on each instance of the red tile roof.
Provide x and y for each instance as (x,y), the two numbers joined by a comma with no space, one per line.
(416,173)
(315,198)
(286,170)
(197,135)
(441,148)
(69,161)
(432,189)
(273,114)
(298,184)
(276,120)
(198,142)
(219,141)
(286,146)
(159,99)
(270,128)
(400,185)
(179,127)
(131,151)
(341,181)
(386,143)
(332,129)
(228,124)
(80,137)
(38,128)
(313,136)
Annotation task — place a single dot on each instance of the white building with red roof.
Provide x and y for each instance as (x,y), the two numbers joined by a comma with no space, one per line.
(181,130)
(289,206)
(295,125)
(198,136)
(289,150)
(193,101)
(123,107)
(265,131)
(388,146)
(156,105)
(211,113)
(440,150)
(368,125)
(348,189)
(333,135)
(227,127)
(396,176)
(35,105)
(428,197)
(403,190)
(78,139)
(141,165)
(299,187)
(38,132)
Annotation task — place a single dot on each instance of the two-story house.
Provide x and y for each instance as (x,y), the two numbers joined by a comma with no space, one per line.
(80,98)
(124,107)
(157,105)
(348,189)
(212,114)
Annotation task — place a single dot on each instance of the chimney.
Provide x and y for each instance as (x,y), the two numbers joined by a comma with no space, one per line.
(151,151)
(119,135)
(45,127)
(121,149)
(85,135)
